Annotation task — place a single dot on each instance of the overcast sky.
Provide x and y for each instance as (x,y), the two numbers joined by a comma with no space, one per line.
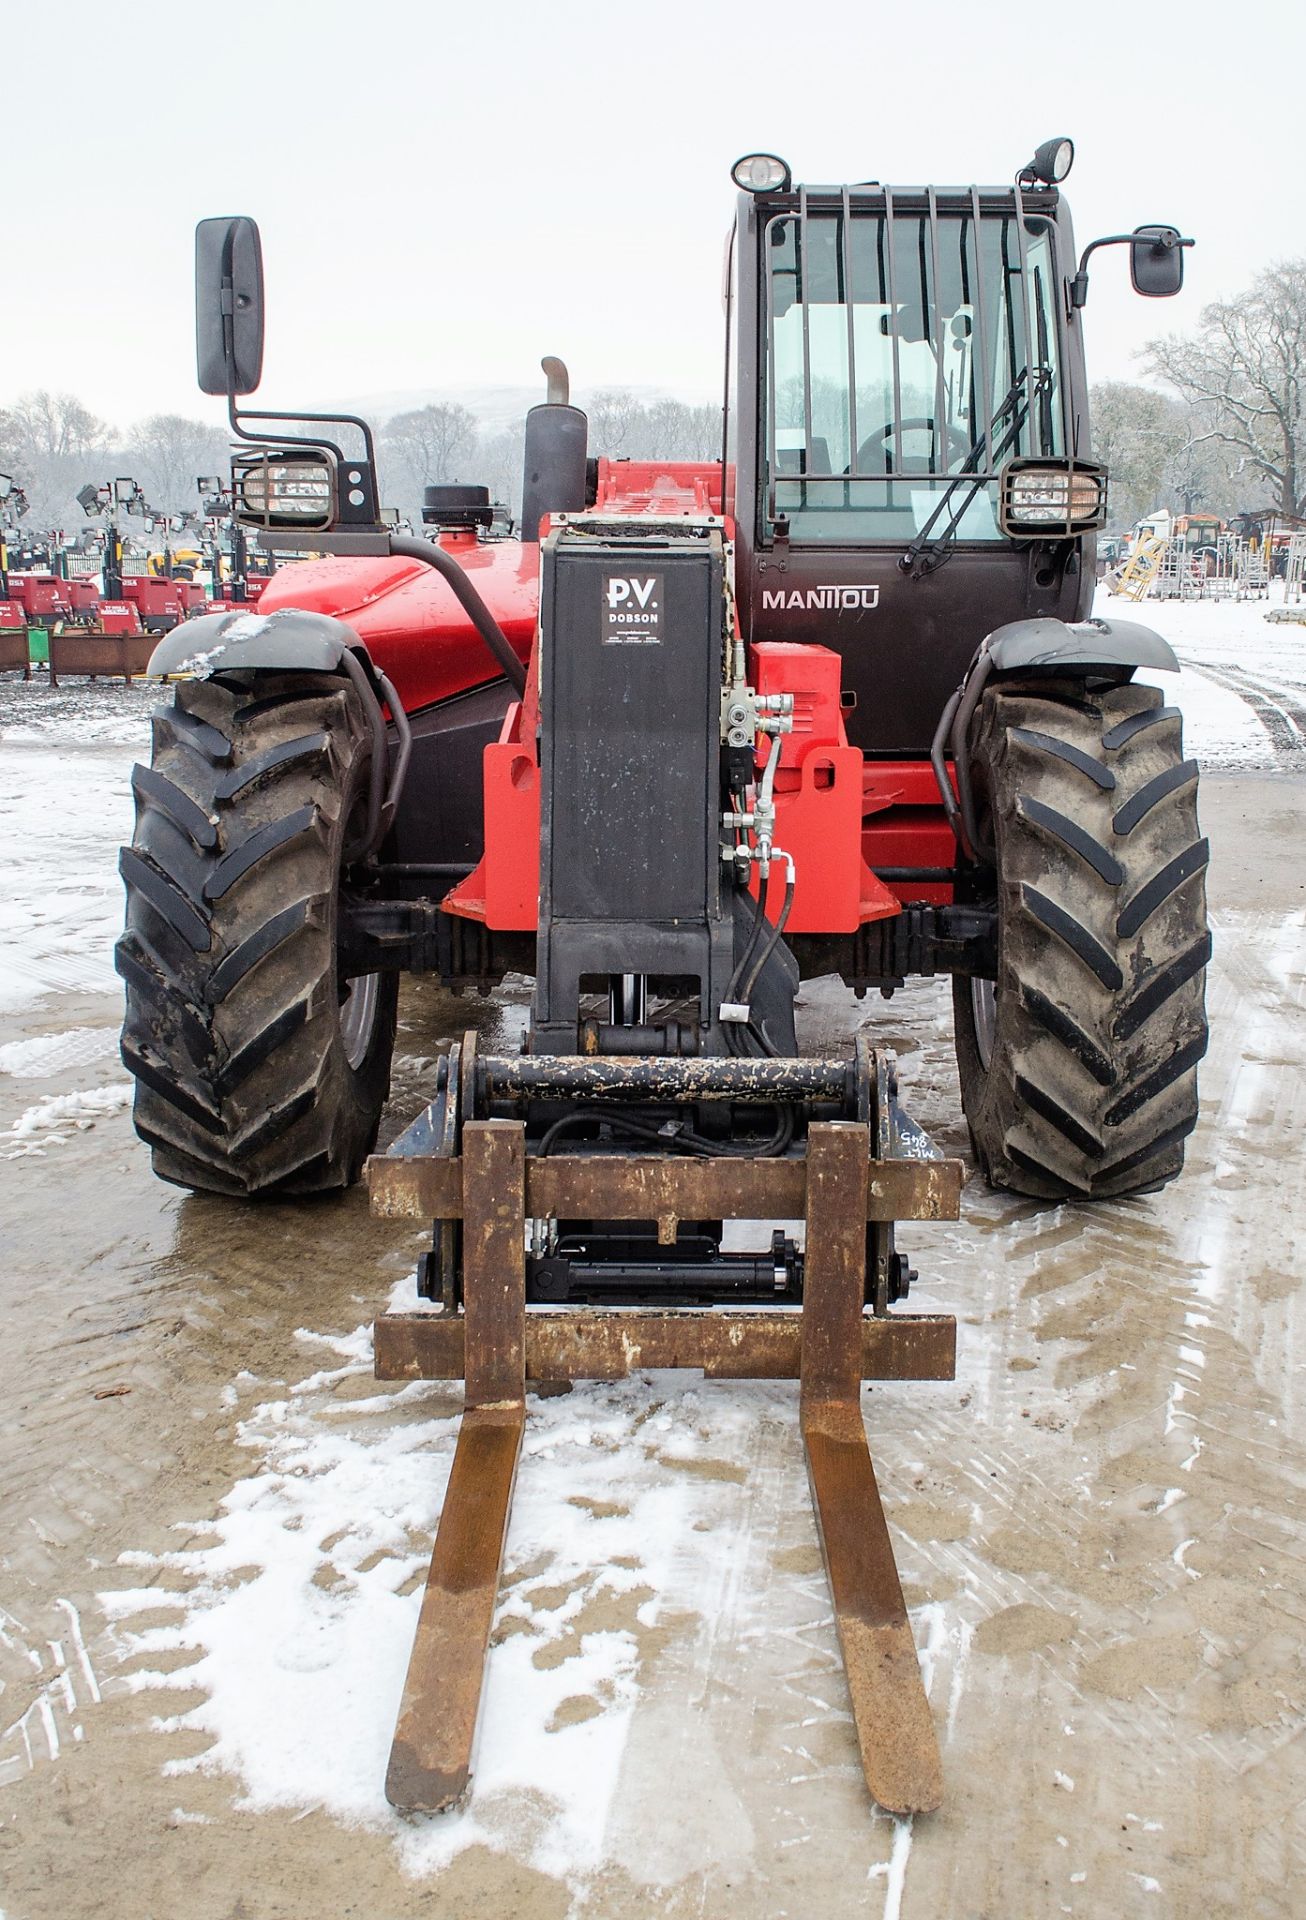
(447,192)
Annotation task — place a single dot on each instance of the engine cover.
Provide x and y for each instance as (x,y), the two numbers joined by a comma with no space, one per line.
(632,620)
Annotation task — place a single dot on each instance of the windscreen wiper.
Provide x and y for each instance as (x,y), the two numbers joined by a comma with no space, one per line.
(924,554)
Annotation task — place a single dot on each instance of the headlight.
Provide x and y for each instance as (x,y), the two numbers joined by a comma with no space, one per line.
(1059,500)
(285,489)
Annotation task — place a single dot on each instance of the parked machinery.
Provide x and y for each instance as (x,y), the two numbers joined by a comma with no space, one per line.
(832,704)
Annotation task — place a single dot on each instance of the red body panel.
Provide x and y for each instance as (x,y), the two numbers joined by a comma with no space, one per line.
(11,614)
(818,794)
(658,486)
(409,620)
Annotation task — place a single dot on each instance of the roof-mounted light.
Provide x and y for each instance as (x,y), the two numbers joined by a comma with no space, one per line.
(1050,165)
(761,173)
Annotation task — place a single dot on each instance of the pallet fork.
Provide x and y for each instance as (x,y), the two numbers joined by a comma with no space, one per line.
(854,1179)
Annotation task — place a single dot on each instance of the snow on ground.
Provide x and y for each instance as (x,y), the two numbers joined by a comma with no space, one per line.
(299,1616)
(80,712)
(60,917)
(56,1116)
(1243,685)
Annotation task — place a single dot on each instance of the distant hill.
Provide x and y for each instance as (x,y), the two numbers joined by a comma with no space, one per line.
(494,407)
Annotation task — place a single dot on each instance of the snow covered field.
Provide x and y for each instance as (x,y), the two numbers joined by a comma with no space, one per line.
(664,1708)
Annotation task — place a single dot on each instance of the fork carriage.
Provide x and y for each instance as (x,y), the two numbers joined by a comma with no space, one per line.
(848,1177)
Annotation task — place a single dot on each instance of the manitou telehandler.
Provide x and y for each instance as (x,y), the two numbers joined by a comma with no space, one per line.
(829,705)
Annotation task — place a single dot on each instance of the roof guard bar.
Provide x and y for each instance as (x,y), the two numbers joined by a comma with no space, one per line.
(889,245)
(846,255)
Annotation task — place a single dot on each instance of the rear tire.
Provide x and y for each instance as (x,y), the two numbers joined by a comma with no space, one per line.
(1078,1065)
(257,1071)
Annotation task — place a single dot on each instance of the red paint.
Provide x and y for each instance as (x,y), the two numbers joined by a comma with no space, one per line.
(11,614)
(504,890)
(157,599)
(904,825)
(119,616)
(671,487)
(85,597)
(818,794)
(41,595)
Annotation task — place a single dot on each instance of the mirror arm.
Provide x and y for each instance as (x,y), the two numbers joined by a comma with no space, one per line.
(1078,287)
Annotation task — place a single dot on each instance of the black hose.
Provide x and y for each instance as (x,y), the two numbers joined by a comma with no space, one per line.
(685,1141)
(469,599)
(746,992)
(755,927)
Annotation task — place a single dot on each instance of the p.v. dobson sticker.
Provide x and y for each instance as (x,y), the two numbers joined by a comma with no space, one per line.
(632,610)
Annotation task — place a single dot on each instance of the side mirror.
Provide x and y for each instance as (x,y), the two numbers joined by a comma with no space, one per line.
(228,305)
(1156,261)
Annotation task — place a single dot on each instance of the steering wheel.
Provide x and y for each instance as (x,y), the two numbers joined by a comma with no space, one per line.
(877,446)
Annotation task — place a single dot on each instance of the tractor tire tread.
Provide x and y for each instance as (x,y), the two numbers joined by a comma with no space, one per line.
(233,1027)
(1099,1019)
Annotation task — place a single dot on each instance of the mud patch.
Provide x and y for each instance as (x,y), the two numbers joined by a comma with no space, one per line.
(1165,1662)
(1022,1629)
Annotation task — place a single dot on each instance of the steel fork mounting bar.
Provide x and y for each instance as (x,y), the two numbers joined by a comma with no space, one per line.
(831,1345)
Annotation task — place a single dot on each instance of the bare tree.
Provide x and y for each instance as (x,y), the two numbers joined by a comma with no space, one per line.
(168,453)
(1137,434)
(673,430)
(1247,365)
(615,417)
(50,441)
(499,462)
(427,446)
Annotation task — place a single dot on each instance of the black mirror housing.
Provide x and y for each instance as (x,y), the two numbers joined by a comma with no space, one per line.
(228,305)
(1156,262)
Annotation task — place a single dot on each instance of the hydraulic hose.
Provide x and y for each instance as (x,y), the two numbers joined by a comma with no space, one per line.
(686,1141)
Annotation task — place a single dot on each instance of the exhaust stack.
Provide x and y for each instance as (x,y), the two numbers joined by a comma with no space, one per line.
(553,480)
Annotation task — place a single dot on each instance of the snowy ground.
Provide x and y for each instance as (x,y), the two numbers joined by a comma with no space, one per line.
(218,1525)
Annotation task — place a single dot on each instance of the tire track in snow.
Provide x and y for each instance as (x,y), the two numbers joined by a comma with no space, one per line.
(1282,717)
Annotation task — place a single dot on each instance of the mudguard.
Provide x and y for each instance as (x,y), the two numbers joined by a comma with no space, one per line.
(288,640)
(1079,644)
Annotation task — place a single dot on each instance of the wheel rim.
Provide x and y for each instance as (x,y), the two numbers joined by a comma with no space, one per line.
(984,1014)
(358,1017)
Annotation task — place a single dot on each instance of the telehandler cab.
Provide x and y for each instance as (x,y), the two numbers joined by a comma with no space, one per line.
(829,704)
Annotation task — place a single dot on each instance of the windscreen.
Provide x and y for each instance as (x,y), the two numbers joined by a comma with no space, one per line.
(906,345)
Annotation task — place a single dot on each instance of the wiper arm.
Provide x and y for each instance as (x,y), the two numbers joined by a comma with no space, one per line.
(924,554)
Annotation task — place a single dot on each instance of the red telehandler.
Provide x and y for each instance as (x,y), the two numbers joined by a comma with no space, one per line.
(831,704)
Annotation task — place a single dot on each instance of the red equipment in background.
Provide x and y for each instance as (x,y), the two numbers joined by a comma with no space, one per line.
(43,598)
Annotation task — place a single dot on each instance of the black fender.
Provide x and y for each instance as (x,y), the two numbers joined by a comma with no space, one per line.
(1081,646)
(240,638)
(291,640)
(1043,646)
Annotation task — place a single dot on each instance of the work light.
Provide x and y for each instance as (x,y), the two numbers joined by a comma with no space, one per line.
(761,173)
(1038,497)
(285,489)
(1051,163)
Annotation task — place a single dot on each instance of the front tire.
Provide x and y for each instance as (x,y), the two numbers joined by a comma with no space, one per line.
(258,1070)
(1078,1064)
